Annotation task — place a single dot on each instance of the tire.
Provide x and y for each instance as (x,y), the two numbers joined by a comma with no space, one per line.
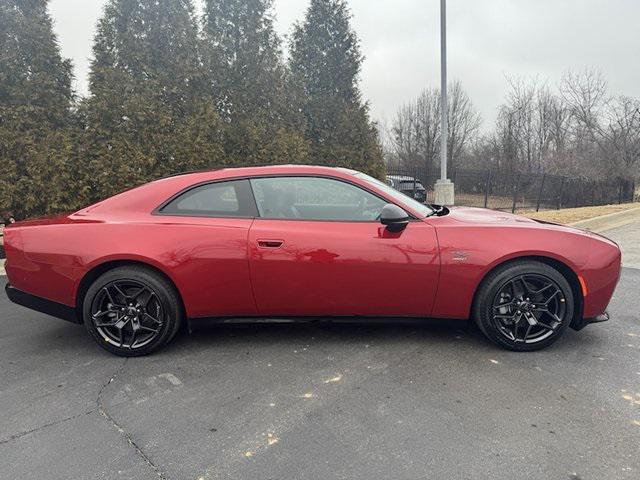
(126,320)
(511,302)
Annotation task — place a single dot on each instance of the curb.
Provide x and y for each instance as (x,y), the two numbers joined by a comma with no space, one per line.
(609,221)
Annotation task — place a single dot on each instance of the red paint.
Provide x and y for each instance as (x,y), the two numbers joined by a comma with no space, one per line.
(252,267)
(343,269)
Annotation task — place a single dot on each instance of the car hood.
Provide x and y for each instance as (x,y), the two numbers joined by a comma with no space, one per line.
(484,216)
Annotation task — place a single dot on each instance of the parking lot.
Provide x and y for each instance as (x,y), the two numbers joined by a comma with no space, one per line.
(324,402)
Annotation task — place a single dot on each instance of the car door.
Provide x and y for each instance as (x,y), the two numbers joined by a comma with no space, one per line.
(201,234)
(317,249)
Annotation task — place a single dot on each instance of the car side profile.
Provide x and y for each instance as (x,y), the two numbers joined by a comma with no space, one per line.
(302,243)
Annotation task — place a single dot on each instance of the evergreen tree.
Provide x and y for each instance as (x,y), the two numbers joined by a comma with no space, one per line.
(35,112)
(244,62)
(325,63)
(148,114)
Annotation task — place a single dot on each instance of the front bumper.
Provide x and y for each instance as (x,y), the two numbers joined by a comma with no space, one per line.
(42,305)
(579,325)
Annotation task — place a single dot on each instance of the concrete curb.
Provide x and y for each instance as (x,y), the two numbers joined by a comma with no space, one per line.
(609,221)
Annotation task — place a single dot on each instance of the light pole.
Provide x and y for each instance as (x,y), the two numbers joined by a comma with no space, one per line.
(444,191)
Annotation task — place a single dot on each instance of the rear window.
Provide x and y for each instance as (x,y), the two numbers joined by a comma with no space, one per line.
(221,199)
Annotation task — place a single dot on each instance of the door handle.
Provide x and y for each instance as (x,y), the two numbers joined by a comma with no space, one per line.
(270,243)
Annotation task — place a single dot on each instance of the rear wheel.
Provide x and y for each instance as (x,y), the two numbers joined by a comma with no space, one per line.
(524,305)
(132,311)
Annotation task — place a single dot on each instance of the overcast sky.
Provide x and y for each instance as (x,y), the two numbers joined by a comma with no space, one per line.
(488,39)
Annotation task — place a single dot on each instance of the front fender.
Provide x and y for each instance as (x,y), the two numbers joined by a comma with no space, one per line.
(469,253)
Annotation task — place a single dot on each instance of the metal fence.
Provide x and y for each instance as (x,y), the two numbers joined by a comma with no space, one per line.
(518,191)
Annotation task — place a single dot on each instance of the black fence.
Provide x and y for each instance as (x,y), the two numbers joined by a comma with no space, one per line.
(516,191)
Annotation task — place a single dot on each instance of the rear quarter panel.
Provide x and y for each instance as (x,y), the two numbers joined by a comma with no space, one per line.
(205,258)
(35,265)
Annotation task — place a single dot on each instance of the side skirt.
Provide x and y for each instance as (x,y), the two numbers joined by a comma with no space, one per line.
(194,323)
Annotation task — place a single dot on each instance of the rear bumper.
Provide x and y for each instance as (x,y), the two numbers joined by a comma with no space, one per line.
(579,325)
(42,305)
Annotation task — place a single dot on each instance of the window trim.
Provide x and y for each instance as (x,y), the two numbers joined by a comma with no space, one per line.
(247,185)
(158,210)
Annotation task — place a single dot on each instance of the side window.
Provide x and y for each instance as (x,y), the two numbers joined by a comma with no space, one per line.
(314,198)
(223,199)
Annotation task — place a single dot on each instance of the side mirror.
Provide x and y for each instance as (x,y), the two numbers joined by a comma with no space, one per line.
(395,218)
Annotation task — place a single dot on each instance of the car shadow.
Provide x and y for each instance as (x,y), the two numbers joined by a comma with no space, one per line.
(450,336)
(259,335)
(454,334)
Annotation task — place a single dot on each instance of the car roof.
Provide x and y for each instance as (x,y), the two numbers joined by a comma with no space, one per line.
(148,197)
(250,171)
(143,197)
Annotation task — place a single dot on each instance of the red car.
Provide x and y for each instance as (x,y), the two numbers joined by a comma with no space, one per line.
(302,242)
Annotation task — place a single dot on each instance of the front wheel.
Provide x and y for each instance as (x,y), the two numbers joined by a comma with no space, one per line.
(132,311)
(524,306)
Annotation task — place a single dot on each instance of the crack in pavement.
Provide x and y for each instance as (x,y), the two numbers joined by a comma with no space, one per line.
(101,409)
(132,442)
(118,371)
(18,435)
(105,414)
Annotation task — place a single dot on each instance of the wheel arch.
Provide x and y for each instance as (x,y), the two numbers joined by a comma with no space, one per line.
(567,272)
(103,267)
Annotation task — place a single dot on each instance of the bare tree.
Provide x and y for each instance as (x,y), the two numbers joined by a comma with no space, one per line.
(622,135)
(415,133)
(519,125)
(585,94)
(402,137)
(464,123)
(576,129)
(539,130)
(532,124)
(606,131)
(559,126)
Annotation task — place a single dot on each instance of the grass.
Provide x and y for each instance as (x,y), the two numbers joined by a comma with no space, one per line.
(477,200)
(572,215)
(564,216)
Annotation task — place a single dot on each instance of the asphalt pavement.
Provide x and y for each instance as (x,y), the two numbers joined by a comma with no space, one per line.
(324,402)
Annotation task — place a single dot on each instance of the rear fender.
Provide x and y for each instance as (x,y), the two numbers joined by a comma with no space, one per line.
(98,264)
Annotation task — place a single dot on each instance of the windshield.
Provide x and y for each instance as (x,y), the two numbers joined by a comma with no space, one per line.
(396,195)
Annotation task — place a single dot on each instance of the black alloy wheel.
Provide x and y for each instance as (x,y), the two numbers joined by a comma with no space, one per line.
(127,314)
(132,311)
(529,308)
(524,305)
